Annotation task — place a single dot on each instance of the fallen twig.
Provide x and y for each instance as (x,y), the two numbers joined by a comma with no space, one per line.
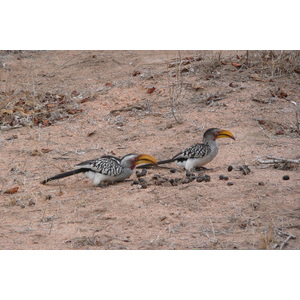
(273,160)
(282,233)
(285,241)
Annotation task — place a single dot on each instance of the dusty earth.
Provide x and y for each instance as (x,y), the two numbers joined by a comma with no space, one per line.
(58,108)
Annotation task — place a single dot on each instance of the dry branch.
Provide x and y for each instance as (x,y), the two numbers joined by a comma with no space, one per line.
(273,160)
(282,233)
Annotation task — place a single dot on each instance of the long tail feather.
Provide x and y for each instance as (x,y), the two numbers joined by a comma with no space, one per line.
(62,175)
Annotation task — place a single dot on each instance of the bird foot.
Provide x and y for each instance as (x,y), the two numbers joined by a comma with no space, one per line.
(103,186)
(201,169)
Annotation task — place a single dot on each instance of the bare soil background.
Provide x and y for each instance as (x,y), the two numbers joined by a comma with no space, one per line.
(58,108)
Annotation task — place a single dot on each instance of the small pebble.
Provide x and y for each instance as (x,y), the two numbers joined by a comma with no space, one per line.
(172,170)
(229,183)
(143,185)
(261,183)
(245,169)
(31,203)
(201,178)
(286,177)
(222,177)
(135,182)
(141,173)
(184,181)
(230,168)
(188,174)
(207,178)
(48,197)
(142,180)
(192,177)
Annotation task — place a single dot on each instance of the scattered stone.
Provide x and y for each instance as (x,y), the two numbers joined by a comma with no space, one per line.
(158,180)
(261,183)
(143,185)
(173,182)
(255,205)
(201,178)
(135,182)
(222,177)
(229,183)
(192,177)
(172,170)
(31,203)
(48,197)
(141,173)
(142,180)
(230,168)
(165,183)
(162,218)
(245,169)
(286,177)
(184,181)
(188,174)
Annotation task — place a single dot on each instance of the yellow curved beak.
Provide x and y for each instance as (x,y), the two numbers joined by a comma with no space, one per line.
(226,134)
(145,159)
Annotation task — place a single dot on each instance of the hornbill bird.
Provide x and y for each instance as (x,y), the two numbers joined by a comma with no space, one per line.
(198,155)
(107,169)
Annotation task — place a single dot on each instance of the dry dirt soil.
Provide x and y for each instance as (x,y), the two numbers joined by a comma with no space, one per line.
(59,108)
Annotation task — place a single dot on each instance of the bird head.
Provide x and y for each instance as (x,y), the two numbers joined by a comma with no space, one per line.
(132,160)
(216,133)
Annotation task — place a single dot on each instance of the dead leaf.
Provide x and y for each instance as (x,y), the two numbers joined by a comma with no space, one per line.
(280,132)
(13,137)
(92,133)
(135,73)
(36,152)
(12,190)
(6,111)
(85,100)
(74,111)
(150,90)
(256,77)
(236,65)
(46,123)
(233,85)
(51,105)
(189,58)
(197,86)
(74,94)
(297,70)
(45,150)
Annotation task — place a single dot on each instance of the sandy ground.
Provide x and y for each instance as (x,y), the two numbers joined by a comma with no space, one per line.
(60,108)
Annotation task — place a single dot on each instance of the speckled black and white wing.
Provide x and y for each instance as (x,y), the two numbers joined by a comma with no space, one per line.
(106,165)
(195,151)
